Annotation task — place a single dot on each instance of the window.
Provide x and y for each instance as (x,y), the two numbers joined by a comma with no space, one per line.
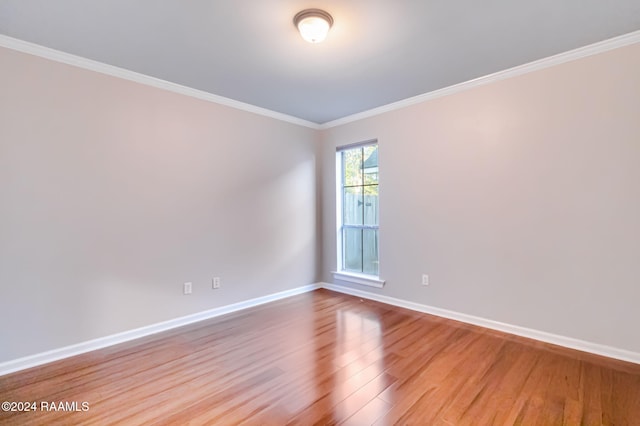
(357,212)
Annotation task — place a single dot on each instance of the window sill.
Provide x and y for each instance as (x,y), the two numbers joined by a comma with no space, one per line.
(362,279)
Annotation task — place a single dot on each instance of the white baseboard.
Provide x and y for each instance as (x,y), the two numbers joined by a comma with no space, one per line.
(114,339)
(568,342)
(102,342)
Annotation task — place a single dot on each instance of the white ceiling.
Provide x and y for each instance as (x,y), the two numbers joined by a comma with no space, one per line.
(378,51)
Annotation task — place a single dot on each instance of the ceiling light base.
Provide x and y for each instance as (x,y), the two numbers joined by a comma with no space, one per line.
(313,24)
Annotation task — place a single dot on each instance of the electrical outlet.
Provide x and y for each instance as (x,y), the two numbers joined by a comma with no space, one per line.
(187,288)
(215,282)
(425,279)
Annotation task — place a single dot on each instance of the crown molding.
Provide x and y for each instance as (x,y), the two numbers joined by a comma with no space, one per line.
(89,64)
(571,55)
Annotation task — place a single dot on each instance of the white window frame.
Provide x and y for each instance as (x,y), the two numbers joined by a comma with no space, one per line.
(341,274)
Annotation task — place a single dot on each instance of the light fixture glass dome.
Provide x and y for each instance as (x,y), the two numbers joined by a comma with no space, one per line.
(313,24)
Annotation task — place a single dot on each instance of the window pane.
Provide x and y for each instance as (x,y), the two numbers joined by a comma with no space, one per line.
(370,165)
(370,251)
(352,249)
(358,189)
(352,206)
(352,167)
(370,199)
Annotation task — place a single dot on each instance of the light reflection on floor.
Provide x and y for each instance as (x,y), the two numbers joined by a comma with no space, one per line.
(345,367)
(359,355)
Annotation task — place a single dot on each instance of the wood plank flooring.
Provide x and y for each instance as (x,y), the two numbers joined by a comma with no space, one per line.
(328,358)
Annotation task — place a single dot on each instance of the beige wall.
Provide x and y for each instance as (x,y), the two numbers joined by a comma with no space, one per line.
(112,194)
(520,199)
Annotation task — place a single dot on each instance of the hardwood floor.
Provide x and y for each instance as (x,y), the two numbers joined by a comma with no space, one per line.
(328,358)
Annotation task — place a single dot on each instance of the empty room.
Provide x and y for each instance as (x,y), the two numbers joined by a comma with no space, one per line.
(360,212)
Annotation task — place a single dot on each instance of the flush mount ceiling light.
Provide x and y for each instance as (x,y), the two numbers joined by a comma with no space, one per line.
(313,24)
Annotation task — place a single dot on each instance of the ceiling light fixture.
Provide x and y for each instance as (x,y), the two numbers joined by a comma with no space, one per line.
(313,24)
